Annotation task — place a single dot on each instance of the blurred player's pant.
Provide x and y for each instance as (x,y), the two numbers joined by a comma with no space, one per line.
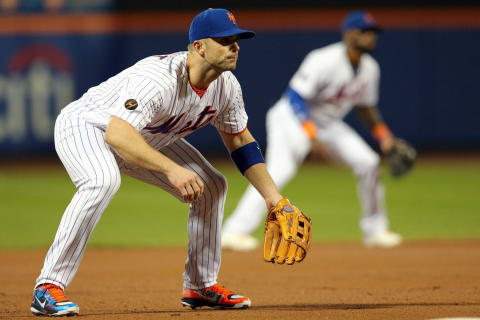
(95,171)
(287,147)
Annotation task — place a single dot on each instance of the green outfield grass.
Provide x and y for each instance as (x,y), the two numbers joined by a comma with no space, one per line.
(438,200)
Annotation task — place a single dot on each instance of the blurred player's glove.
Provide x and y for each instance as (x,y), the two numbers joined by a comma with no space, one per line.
(401,158)
(288,234)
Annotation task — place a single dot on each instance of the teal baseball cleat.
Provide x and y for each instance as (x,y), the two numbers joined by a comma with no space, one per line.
(49,300)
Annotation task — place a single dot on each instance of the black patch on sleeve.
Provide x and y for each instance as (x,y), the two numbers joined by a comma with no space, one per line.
(131,104)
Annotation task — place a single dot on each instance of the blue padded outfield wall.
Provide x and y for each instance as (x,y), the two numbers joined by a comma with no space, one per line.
(429,84)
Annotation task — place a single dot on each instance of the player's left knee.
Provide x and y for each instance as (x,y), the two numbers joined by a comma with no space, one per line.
(217,185)
(372,161)
(367,165)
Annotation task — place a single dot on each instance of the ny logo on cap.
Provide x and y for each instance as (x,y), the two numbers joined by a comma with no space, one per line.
(231,17)
(368,18)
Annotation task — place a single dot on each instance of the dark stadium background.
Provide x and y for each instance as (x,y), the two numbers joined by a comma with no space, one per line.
(428,56)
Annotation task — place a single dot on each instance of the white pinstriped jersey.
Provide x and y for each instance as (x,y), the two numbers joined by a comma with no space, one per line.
(330,85)
(165,102)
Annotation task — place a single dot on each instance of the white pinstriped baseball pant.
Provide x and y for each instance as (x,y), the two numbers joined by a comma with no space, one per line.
(95,171)
(287,147)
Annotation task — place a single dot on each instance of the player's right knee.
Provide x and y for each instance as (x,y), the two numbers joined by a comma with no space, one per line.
(105,185)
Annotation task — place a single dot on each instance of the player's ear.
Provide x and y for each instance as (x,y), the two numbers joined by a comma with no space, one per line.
(199,47)
(349,35)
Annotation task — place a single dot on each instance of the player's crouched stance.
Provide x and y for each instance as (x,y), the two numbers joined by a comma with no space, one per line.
(134,124)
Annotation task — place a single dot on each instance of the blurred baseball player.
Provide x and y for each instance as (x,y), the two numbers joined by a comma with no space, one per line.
(134,123)
(329,83)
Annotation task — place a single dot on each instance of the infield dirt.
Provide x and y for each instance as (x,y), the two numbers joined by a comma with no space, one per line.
(419,280)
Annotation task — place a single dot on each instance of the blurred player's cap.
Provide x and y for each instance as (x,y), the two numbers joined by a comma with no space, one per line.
(359,20)
(213,23)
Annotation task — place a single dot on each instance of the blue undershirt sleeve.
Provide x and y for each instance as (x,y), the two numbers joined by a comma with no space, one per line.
(298,104)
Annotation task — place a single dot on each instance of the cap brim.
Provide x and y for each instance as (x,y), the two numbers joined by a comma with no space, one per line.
(243,34)
(364,28)
(376,29)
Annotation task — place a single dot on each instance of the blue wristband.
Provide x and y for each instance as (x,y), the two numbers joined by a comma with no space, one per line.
(246,156)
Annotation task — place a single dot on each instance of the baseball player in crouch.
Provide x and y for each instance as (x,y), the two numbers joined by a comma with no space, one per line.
(329,83)
(134,123)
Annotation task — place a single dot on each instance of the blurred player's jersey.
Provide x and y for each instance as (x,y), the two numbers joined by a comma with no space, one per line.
(331,86)
(156,97)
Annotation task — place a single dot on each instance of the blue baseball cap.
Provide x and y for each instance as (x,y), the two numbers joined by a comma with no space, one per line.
(359,20)
(216,23)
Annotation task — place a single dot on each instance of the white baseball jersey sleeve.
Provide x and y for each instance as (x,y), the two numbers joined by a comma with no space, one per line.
(331,86)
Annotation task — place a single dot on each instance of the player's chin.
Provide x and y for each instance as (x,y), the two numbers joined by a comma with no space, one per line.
(230,67)
(225,67)
(368,48)
(230,64)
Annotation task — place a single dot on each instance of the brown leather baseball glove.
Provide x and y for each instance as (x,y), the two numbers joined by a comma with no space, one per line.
(288,234)
(401,158)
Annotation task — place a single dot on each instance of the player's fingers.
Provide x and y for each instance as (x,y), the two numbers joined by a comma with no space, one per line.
(189,193)
(183,193)
(196,190)
(200,185)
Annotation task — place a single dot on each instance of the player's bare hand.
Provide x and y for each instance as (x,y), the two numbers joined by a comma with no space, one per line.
(187,182)
(318,150)
(387,143)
